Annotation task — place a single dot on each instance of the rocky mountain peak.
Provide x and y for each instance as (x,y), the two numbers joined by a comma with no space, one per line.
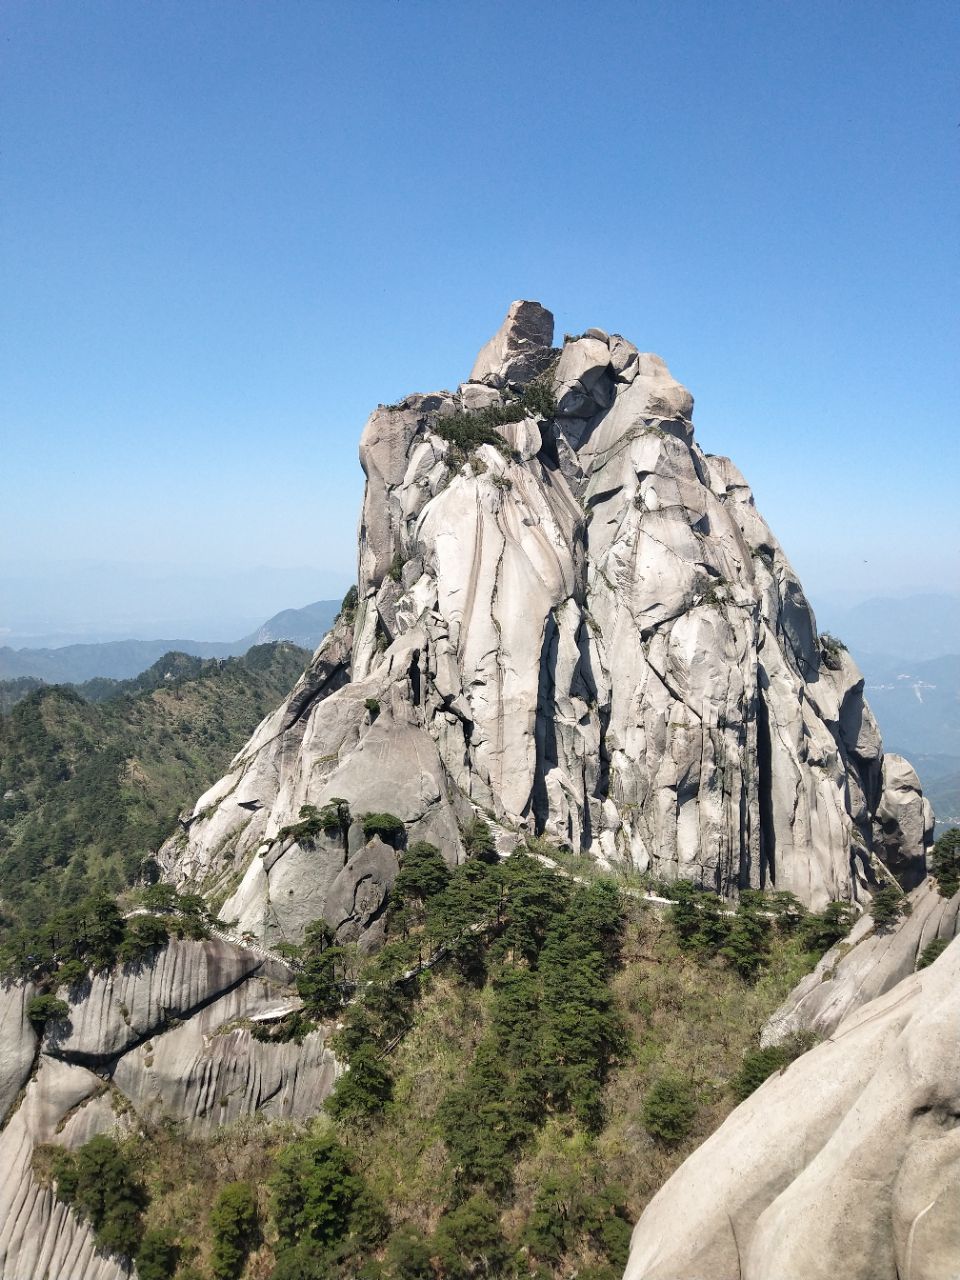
(573,621)
(519,350)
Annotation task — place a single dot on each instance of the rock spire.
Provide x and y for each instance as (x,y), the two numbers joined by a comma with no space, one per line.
(571,619)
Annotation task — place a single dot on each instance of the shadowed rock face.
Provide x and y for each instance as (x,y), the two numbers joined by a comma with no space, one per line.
(846,1163)
(589,632)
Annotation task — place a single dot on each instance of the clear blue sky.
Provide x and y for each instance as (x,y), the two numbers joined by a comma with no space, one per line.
(230,229)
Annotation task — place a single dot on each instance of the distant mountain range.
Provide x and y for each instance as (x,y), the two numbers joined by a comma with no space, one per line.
(908,648)
(124,659)
(887,627)
(916,700)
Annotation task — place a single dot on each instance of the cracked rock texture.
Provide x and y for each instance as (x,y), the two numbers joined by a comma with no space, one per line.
(846,1163)
(587,632)
(167,1038)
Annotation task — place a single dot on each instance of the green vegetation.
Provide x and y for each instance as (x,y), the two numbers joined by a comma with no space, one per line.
(332,820)
(888,905)
(831,648)
(158,1255)
(348,607)
(373,707)
(945,862)
(323,980)
(99,1183)
(44,1009)
(94,934)
(705,926)
(478,840)
(932,951)
(365,1089)
(422,875)
(322,1208)
(90,790)
(235,1228)
(387,826)
(14,691)
(468,430)
(670,1108)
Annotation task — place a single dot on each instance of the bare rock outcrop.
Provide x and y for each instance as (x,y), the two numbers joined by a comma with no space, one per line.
(581,625)
(847,1162)
(18,1042)
(170,1037)
(40,1238)
(868,963)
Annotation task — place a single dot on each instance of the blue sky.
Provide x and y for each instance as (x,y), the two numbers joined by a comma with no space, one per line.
(229,229)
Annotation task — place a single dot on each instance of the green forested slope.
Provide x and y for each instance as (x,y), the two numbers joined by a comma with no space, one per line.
(88,789)
(510,1107)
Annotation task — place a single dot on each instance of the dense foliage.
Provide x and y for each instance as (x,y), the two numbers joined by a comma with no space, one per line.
(706,926)
(234,1227)
(89,790)
(95,934)
(670,1108)
(945,862)
(100,1183)
(888,905)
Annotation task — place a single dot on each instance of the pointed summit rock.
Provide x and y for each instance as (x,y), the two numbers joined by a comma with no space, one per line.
(578,624)
(519,350)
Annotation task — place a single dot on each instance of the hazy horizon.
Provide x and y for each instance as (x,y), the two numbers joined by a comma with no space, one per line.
(227,239)
(96,602)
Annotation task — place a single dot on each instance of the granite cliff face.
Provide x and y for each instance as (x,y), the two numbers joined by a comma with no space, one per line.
(848,1161)
(170,1037)
(583,628)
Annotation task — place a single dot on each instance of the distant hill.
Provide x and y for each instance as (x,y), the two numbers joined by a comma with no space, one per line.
(123,659)
(940,775)
(89,788)
(305,627)
(917,703)
(923,626)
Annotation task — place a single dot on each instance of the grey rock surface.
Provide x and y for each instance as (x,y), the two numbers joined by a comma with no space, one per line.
(40,1239)
(18,1043)
(846,1163)
(122,1006)
(519,350)
(590,633)
(865,965)
(170,1038)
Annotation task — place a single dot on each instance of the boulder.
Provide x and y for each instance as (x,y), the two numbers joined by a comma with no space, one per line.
(359,894)
(903,824)
(846,1162)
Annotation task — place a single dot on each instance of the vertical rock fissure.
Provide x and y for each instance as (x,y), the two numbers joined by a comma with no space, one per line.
(545,730)
(768,836)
